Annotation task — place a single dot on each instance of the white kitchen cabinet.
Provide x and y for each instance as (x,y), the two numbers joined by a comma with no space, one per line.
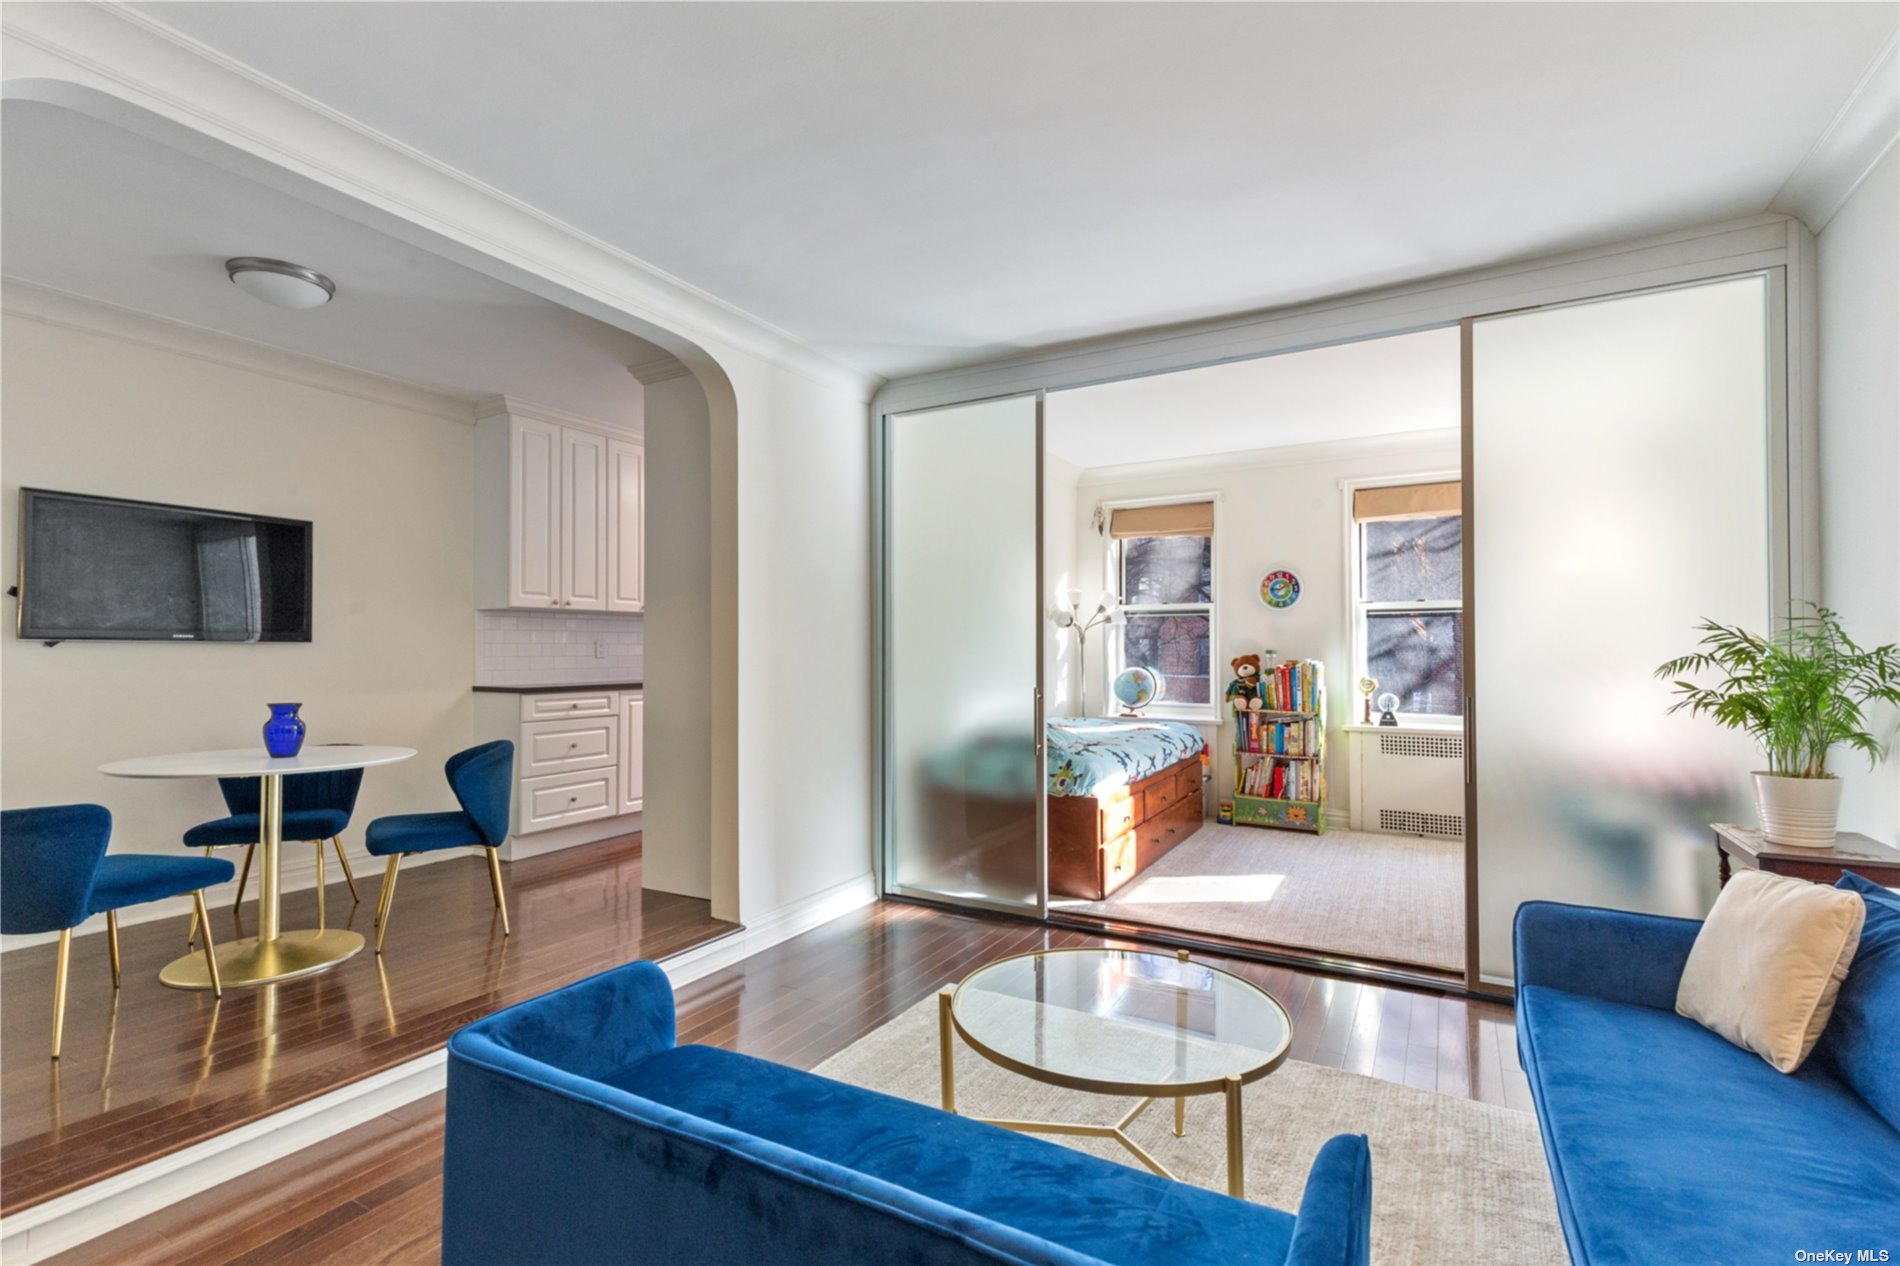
(632,723)
(578,757)
(534,513)
(583,520)
(558,512)
(626,541)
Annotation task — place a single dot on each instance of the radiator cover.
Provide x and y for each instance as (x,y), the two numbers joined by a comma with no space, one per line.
(1408,783)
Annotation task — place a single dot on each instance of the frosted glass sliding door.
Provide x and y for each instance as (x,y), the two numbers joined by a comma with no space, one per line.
(1620,467)
(963,787)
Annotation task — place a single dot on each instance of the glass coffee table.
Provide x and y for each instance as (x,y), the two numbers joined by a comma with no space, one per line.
(1118,1022)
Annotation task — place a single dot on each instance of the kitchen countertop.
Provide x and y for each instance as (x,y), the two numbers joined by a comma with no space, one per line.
(560,689)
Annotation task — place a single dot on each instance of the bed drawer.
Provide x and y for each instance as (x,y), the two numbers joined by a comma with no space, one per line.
(1119,861)
(1120,814)
(1158,834)
(1168,788)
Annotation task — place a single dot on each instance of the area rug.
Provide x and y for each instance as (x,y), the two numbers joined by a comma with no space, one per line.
(1454,1183)
(1394,897)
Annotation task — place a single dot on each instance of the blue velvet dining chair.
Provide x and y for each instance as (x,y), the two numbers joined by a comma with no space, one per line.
(317,809)
(54,874)
(482,779)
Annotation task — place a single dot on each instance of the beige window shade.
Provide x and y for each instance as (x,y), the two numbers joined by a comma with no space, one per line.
(1407,501)
(1189,518)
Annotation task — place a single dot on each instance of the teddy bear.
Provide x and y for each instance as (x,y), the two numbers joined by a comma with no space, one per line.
(1243,692)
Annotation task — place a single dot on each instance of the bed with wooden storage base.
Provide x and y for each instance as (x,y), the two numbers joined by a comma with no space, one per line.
(1122,792)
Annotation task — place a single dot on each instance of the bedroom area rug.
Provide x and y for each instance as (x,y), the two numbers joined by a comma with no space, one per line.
(1394,897)
(1453,1181)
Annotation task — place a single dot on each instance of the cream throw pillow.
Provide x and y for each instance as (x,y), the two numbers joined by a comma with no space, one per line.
(1768,962)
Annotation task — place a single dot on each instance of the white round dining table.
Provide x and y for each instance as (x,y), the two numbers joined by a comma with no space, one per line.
(273,954)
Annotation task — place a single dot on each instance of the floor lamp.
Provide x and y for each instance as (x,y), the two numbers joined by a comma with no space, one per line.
(1108,610)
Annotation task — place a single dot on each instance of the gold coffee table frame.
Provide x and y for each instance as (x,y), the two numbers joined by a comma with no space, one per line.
(1228,1087)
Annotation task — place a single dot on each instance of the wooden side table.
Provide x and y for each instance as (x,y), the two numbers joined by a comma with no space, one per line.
(1744,846)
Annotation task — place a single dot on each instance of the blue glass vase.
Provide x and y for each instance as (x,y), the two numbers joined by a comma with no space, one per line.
(283,733)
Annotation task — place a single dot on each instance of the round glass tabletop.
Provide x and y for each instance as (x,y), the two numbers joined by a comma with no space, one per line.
(1121,1021)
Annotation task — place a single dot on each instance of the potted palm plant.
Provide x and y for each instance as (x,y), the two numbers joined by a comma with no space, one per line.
(1800,694)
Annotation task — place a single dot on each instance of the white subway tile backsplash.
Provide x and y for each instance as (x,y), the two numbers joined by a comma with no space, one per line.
(515,648)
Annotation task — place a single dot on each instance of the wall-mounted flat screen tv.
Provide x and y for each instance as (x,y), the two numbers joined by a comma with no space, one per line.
(104,569)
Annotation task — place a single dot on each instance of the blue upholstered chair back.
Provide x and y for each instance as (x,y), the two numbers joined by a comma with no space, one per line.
(48,858)
(328,789)
(483,780)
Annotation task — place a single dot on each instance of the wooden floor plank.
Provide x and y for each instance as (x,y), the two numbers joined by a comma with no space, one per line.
(372,1196)
(147,1070)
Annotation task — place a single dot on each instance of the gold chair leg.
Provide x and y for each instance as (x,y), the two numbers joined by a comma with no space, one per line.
(494,878)
(191,933)
(320,923)
(349,876)
(211,955)
(389,897)
(112,943)
(59,987)
(244,876)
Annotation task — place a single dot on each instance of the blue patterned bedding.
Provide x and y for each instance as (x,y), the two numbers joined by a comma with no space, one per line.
(1090,755)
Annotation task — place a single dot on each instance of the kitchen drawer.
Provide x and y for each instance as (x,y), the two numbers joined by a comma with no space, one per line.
(581,703)
(552,747)
(1118,862)
(562,799)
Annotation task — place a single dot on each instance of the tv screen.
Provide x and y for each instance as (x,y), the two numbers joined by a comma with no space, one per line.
(100,568)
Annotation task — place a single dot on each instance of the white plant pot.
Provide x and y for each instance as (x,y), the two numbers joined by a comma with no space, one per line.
(1800,812)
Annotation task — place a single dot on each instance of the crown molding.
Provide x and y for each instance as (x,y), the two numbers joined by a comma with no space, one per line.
(515,406)
(1434,443)
(653,372)
(128,68)
(1862,132)
(75,312)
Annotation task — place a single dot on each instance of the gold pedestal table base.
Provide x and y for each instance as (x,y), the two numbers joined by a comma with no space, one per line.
(253,962)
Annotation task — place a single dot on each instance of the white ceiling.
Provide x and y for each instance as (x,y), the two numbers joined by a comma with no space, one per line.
(913,186)
(1353,391)
(93,210)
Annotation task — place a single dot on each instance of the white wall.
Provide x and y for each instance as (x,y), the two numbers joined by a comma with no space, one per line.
(677,844)
(1859,292)
(389,486)
(1277,508)
(800,740)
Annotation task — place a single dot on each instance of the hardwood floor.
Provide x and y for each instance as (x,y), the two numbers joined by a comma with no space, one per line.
(373,1195)
(147,1070)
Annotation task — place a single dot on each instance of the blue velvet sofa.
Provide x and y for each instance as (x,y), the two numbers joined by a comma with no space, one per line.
(1669,1145)
(579,1134)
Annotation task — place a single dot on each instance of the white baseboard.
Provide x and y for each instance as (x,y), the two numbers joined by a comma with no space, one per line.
(781,924)
(38,1232)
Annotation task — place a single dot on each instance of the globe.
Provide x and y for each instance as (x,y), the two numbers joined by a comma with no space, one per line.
(1135,688)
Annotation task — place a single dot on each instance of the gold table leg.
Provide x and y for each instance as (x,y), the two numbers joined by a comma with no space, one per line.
(1180,1116)
(1236,1159)
(946,1032)
(273,954)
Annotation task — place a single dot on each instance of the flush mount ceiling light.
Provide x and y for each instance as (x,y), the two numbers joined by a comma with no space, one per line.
(282,284)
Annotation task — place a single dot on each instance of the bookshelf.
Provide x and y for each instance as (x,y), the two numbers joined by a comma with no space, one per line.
(1280,751)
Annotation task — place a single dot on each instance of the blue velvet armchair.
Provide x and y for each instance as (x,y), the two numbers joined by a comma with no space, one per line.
(580,1134)
(317,809)
(482,779)
(54,874)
